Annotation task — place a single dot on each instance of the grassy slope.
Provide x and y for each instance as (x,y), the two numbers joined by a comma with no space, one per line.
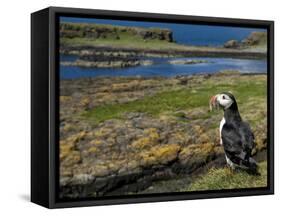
(250,92)
(225,178)
(124,42)
(126,39)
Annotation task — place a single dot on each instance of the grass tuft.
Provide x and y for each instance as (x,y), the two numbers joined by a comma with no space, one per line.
(225,178)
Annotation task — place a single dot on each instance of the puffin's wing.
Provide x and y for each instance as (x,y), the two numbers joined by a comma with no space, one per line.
(234,144)
(247,136)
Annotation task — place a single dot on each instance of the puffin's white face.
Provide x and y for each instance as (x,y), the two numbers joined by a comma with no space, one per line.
(224,100)
(220,100)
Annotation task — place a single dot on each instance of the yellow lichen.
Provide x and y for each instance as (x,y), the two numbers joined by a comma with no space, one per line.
(159,154)
(151,138)
(65,98)
(77,137)
(92,150)
(72,158)
(102,132)
(68,127)
(181,137)
(85,102)
(67,146)
(152,132)
(196,153)
(142,143)
(167,152)
(96,142)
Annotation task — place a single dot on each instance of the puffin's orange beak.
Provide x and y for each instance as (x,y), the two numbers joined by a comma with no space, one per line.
(213,103)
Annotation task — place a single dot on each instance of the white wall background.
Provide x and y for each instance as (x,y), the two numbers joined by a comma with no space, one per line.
(15,106)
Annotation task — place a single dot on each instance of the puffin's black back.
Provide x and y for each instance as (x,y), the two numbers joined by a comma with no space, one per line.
(237,137)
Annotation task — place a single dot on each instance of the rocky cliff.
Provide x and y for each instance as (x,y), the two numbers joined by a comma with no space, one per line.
(98,31)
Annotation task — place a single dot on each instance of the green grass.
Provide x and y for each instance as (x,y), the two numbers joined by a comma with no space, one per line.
(173,100)
(125,41)
(159,103)
(225,178)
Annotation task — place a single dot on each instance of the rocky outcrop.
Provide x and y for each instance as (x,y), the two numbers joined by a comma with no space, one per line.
(153,33)
(231,44)
(98,31)
(188,61)
(108,64)
(107,61)
(138,150)
(255,39)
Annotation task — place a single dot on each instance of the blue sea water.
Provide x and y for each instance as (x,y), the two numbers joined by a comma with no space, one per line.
(161,67)
(189,34)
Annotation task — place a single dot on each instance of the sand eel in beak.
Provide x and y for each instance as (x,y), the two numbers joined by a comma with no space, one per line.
(236,136)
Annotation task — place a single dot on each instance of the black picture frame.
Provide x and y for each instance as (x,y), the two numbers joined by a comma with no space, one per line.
(45,106)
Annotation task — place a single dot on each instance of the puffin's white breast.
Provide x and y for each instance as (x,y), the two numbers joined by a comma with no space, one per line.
(221,126)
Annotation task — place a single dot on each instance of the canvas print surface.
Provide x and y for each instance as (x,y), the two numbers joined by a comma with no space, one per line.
(148,107)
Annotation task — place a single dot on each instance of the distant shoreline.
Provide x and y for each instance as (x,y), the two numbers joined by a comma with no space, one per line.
(110,40)
(184,52)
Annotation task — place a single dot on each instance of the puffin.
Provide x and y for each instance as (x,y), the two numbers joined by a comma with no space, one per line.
(236,136)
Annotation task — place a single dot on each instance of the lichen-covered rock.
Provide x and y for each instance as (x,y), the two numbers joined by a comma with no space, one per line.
(158,155)
(127,154)
(196,155)
(117,147)
(128,149)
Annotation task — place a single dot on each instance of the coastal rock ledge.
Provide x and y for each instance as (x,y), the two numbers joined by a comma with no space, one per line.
(119,157)
(108,64)
(122,135)
(132,153)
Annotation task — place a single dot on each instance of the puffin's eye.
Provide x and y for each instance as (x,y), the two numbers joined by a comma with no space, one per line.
(223,97)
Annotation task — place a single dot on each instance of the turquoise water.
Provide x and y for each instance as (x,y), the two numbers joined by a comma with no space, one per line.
(161,67)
